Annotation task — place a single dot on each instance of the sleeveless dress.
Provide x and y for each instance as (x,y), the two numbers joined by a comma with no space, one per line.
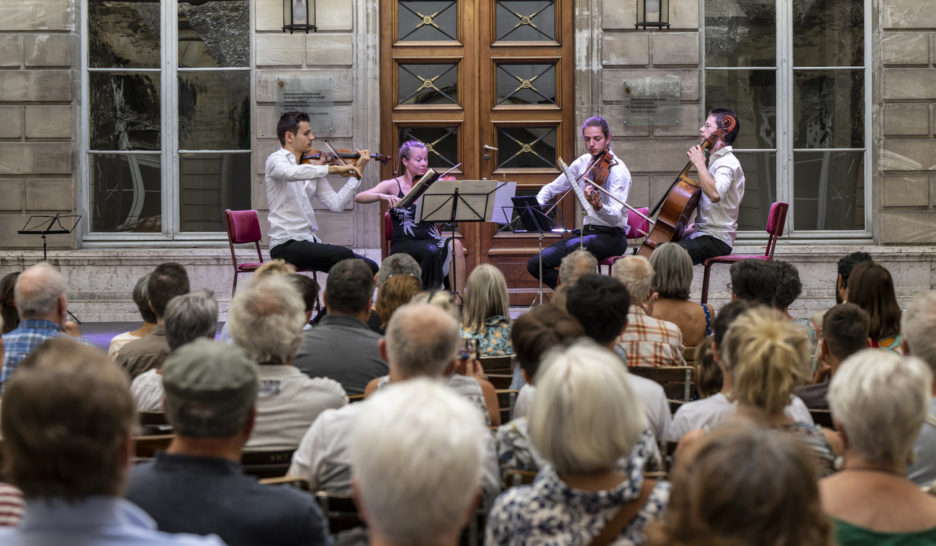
(421,240)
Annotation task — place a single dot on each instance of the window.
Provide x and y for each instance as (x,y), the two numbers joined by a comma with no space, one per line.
(167,111)
(797,75)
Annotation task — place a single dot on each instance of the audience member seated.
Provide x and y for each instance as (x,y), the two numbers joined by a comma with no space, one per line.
(765,357)
(188,317)
(870,287)
(534,333)
(672,280)
(42,304)
(585,417)
(879,400)
(167,281)
(844,332)
(600,304)
(9,317)
(393,293)
(646,341)
(486,316)
(719,408)
(919,332)
(197,485)
(422,341)
(789,287)
(744,485)
(754,280)
(67,422)
(268,269)
(845,267)
(437,469)
(309,290)
(341,346)
(707,376)
(266,322)
(571,268)
(141,299)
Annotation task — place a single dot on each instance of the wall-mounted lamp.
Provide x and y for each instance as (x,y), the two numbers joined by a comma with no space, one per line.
(652,14)
(299,15)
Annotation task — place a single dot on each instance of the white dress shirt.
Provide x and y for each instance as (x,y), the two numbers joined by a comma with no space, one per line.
(618,184)
(290,189)
(720,220)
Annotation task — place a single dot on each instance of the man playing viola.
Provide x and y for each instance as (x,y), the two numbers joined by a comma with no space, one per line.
(722,182)
(604,233)
(290,187)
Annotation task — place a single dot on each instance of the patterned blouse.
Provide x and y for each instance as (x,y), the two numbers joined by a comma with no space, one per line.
(515,450)
(495,340)
(816,441)
(550,513)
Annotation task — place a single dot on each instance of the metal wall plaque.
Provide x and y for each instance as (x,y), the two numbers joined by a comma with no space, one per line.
(651,101)
(314,95)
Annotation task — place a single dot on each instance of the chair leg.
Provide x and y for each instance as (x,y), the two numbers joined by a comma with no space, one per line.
(705,282)
(234,286)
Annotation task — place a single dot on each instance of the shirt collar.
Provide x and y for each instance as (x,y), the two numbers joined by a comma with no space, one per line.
(720,152)
(92,512)
(38,324)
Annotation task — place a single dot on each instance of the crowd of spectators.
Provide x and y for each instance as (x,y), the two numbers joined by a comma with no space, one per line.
(800,430)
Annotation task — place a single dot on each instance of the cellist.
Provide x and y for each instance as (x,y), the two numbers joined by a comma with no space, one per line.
(722,182)
(604,233)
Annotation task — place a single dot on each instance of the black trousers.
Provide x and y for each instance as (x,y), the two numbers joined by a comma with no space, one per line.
(315,256)
(704,247)
(602,244)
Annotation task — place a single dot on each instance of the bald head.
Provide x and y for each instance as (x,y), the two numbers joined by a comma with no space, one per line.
(636,273)
(40,293)
(422,340)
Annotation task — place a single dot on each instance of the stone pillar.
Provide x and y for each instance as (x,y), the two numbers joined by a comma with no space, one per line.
(38,116)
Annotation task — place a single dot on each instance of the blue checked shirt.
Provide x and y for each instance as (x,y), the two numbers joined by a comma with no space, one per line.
(22,341)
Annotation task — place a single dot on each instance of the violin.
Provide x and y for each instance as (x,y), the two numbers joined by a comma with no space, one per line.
(680,200)
(327,157)
(600,170)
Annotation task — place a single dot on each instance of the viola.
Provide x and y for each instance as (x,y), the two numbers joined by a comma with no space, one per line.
(681,200)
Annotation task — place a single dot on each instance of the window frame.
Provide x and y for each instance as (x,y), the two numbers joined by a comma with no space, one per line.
(784,149)
(170,192)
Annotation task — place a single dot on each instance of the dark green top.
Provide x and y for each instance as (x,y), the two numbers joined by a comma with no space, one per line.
(847,534)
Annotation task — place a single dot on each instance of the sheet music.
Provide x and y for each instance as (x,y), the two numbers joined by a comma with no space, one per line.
(576,189)
(417,190)
(503,202)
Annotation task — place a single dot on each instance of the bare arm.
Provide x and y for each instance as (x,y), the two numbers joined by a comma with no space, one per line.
(383,191)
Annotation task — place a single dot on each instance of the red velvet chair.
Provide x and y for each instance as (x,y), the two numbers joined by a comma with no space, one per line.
(776,220)
(637,227)
(243,227)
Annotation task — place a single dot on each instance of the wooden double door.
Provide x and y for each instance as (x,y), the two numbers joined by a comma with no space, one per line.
(487,84)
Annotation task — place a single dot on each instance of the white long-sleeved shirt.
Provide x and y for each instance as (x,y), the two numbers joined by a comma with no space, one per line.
(720,220)
(290,189)
(618,184)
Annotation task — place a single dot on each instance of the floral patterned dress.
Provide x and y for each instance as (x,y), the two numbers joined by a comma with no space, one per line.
(495,340)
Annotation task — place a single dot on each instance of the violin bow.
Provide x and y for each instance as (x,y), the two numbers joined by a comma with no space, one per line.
(340,159)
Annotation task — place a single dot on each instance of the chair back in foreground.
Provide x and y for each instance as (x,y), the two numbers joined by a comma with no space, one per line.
(267,463)
(675,380)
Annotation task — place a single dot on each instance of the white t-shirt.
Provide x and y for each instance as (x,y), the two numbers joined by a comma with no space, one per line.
(287,403)
(717,409)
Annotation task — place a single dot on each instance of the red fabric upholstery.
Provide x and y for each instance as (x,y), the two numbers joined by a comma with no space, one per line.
(637,227)
(243,226)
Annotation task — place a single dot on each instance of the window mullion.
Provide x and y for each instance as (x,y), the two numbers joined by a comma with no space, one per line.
(169,115)
(785,108)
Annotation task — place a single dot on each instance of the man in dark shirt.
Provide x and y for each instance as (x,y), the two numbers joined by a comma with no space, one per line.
(197,485)
(844,332)
(341,346)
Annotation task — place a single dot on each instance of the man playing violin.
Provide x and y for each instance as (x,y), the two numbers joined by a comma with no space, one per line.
(604,233)
(722,182)
(290,187)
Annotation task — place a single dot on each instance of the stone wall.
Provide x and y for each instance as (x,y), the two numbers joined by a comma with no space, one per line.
(38,116)
(905,98)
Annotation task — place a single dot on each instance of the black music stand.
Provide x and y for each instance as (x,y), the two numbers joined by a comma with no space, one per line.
(51,225)
(534,220)
(461,201)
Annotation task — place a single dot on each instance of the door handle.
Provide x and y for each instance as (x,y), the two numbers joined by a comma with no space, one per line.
(487,149)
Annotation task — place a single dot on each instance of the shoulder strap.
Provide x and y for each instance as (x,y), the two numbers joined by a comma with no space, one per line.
(624,516)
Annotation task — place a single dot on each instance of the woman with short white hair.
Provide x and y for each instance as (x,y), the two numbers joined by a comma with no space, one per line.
(585,418)
(879,401)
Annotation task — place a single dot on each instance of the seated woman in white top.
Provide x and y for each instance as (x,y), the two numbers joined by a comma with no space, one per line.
(141,299)
(585,417)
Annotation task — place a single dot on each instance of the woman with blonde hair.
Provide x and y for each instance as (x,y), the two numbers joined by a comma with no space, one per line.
(585,418)
(879,401)
(486,315)
(744,485)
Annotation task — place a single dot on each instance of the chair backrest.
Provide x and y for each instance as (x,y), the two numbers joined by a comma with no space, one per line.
(822,417)
(268,463)
(496,364)
(776,220)
(505,402)
(243,226)
(675,380)
(387,233)
(637,226)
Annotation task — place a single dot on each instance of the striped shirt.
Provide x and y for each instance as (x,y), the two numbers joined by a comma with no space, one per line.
(22,341)
(11,505)
(648,341)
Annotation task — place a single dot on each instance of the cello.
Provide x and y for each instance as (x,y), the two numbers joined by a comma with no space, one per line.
(680,201)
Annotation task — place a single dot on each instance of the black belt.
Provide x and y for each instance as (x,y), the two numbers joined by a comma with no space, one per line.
(608,230)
